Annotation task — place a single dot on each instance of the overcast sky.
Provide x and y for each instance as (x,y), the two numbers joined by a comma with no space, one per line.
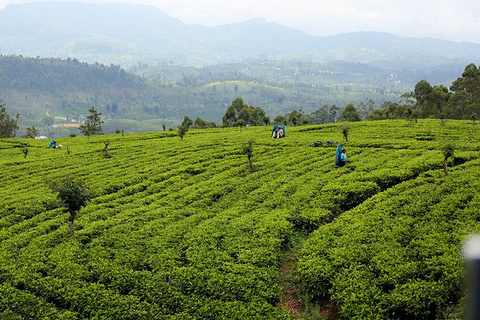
(456,20)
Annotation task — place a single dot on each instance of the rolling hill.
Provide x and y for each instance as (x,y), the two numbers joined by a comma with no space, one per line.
(182,228)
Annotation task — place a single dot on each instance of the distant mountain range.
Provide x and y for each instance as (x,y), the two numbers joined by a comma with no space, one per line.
(128,34)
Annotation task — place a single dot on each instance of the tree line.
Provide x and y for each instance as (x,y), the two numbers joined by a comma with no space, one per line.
(459,101)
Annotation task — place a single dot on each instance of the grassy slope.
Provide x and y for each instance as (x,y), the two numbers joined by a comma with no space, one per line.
(183,228)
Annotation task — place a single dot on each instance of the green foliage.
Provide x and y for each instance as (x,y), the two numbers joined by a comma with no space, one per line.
(266,120)
(202,124)
(448,151)
(350,114)
(279,120)
(50,74)
(247,149)
(457,102)
(182,130)
(94,122)
(25,150)
(72,193)
(325,114)
(166,92)
(31,133)
(187,122)
(412,269)
(241,123)
(390,110)
(240,113)
(181,229)
(8,125)
(345,132)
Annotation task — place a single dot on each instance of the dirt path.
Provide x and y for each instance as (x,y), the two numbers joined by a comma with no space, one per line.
(290,291)
(290,283)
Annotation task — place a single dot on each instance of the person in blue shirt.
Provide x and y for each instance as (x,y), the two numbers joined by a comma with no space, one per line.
(343,157)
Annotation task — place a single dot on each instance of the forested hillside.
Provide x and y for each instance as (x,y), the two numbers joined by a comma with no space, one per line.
(56,91)
(186,229)
(54,95)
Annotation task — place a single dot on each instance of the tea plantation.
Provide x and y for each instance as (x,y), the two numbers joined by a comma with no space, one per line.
(184,229)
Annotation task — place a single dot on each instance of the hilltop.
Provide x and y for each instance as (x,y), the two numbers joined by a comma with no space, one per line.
(132,34)
(182,228)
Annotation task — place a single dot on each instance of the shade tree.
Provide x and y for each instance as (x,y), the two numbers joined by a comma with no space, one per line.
(94,122)
(73,194)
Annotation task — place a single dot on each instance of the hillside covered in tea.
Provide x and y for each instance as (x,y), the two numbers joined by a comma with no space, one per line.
(186,229)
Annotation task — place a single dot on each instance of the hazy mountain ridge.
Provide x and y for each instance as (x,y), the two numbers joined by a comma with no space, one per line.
(127,34)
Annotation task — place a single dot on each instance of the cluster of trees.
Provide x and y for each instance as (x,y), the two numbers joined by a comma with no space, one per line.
(240,114)
(199,123)
(187,123)
(295,118)
(393,110)
(324,114)
(459,101)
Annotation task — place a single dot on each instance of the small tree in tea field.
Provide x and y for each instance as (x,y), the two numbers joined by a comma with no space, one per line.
(25,150)
(241,123)
(345,131)
(448,152)
(105,150)
(248,150)
(187,122)
(182,131)
(184,127)
(72,194)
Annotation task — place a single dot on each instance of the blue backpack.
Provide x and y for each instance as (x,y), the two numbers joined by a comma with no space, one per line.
(277,128)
